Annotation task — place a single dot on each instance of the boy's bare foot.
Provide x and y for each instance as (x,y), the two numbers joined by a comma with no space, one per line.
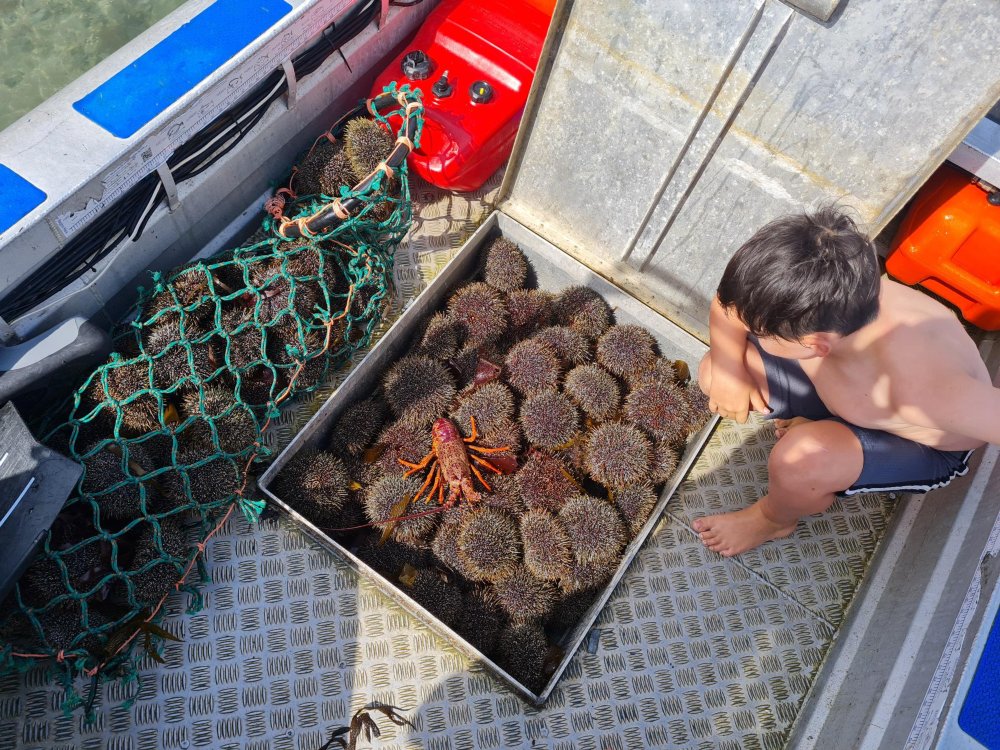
(732,533)
(782,426)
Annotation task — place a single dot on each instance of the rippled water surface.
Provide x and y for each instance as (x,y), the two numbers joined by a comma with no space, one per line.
(46,44)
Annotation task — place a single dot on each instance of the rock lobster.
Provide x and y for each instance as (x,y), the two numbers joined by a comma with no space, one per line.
(452,464)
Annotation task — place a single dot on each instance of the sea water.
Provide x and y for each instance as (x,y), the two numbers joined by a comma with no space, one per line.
(46,44)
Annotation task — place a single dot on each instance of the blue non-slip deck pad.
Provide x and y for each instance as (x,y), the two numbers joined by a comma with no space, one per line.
(980,717)
(134,96)
(17,197)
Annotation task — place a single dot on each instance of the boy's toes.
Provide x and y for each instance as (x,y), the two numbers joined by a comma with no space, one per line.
(699,525)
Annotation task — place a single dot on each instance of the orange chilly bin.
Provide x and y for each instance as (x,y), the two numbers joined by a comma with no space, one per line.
(949,243)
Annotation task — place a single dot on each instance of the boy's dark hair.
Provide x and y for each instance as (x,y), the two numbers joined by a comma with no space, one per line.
(803,274)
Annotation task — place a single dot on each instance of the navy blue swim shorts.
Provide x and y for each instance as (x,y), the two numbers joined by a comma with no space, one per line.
(890,462)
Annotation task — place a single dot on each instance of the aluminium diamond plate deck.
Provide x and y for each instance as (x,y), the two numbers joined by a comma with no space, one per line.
(693,650)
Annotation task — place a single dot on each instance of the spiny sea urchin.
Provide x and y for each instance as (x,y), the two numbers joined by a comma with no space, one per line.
(246,357)
(635,503)
(594,390)
(504,495)
(660,408)
(442,337)
(104,469)
(351,514)
(627,350)
(276,296)
(324,171)
(418,387)
(42,581)
(388,558)
(523,597)
(63,627)
(480,622)
(571,346)
(506,433)
(389,498)
(488,544)
(128,380)
(481,311)
(445,546)
(618,454)
(521,651)
(188,288)
(549,420)
(358,426)
(663,370)
(180,352)
(532,366)
(545,482)
(403,439)
(582,309)
(547,551)
(665,461)
(596,531)
(235,426)
(163,558)
(216,479)
(506,267)
(530,310)
(366,144)
(571,608)
(697,410)
(491,404)
(440,598)
(315,484)
(335,174)
(308,172)
(588,576)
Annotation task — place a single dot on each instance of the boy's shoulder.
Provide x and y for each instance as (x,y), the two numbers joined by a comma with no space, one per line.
(919,338)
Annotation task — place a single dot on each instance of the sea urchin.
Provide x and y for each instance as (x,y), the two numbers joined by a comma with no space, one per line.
(595,529)
(618,455)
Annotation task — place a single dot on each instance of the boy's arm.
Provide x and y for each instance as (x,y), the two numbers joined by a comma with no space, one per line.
(962,405)
(733,392)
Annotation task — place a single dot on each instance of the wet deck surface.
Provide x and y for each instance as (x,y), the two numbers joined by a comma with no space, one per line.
(693,650)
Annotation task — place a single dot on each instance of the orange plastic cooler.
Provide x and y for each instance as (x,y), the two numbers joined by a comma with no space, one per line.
(949,243)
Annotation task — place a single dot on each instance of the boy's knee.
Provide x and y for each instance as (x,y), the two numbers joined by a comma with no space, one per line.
(705,374)
(798,452)
(817,450)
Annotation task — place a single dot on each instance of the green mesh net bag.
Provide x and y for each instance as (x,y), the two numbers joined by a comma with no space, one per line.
(169,430)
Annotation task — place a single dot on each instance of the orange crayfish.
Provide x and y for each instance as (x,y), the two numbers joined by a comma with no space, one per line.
(450,464)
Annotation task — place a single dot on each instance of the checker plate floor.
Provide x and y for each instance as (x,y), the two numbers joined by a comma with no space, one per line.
(692,651)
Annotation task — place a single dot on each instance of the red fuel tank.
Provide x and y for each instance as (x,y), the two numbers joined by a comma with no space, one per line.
(949,243)
(474,61)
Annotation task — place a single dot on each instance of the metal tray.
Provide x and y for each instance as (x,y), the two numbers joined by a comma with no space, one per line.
(554,270)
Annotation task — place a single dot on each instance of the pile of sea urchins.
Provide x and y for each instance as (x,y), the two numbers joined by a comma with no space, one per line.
(593,419)
(166,429)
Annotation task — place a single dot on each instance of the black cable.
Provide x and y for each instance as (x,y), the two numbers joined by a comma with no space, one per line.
(127,217)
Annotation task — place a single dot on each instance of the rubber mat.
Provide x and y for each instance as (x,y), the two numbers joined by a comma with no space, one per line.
(692,651)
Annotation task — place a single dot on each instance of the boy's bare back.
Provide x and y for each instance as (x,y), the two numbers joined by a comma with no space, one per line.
(893,374)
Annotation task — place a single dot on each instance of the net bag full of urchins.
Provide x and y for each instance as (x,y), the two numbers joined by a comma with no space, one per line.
(505,460)
(169,430)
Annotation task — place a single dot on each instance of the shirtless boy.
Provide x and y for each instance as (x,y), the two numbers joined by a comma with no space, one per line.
(873,386)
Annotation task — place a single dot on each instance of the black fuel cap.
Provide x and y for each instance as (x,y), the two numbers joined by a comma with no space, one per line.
(480,92)
(416,65)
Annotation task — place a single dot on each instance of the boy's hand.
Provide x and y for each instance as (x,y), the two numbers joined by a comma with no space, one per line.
(734,394)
